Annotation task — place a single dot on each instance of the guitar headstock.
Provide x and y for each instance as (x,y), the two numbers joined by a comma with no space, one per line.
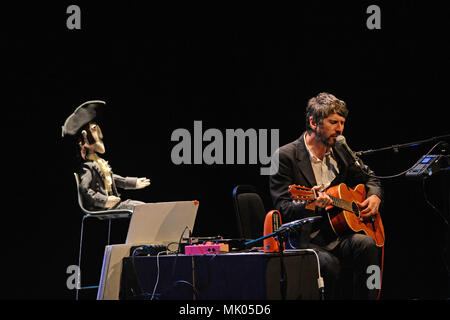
(301,193)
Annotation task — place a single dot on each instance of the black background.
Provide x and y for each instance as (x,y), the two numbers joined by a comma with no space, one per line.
(229,66)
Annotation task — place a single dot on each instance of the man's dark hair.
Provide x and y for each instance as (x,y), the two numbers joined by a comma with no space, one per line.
(321,106)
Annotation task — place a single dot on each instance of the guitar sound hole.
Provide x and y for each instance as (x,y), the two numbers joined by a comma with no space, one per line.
(355,209)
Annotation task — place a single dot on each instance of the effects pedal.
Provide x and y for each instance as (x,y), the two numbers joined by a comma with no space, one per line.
(207,248)
(427,166)
(147,250)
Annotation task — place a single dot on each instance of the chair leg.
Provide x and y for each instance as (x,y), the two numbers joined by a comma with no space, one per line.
(109,231)
(78,284)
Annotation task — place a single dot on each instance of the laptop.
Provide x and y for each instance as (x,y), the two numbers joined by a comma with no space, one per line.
(161,223)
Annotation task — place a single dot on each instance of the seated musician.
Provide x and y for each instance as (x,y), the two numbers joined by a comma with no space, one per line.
(311,161)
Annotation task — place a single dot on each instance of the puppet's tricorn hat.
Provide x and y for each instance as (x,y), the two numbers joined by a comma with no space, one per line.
(82,115)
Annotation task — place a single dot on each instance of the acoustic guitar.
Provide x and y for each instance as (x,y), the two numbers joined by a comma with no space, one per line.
(344,214)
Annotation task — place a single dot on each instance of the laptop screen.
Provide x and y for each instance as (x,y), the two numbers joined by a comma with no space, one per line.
(161,222)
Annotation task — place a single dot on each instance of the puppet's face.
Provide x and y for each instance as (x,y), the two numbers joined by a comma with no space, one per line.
(97,135)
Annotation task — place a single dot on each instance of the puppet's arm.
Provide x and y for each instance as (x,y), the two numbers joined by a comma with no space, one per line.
(130,182)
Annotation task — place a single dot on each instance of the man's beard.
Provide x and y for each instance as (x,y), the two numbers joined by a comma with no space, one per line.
(327,141)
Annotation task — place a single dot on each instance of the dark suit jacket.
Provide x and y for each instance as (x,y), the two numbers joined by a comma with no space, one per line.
(294,167)
(93,189)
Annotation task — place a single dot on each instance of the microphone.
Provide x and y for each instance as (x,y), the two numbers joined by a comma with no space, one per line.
(344,151)
(297,223)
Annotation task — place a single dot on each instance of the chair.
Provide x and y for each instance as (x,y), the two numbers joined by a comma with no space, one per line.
(101,215)
(250,212)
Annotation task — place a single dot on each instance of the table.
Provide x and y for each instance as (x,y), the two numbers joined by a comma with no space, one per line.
(233,276)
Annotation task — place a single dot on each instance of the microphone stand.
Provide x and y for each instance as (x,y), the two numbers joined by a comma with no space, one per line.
(397,147)
(280,235)
(283,273)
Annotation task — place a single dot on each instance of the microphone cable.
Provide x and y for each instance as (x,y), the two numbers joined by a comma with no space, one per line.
(404,172)
(320,282)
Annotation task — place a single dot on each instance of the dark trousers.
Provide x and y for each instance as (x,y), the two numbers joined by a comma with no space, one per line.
(345,268)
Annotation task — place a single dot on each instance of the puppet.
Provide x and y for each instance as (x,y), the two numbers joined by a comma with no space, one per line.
(98,183)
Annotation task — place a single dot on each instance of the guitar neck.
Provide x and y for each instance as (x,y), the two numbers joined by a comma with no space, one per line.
(342,204)
(302,193)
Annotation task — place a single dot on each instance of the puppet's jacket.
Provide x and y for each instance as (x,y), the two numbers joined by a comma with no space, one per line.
(92,185)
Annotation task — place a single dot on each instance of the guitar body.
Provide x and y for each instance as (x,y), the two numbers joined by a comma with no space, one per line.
(343,213)
(344,222)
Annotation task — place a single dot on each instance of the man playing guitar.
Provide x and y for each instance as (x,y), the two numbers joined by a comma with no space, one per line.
(311,161)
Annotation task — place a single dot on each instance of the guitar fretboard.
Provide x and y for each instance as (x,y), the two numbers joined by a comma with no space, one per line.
(342,204)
